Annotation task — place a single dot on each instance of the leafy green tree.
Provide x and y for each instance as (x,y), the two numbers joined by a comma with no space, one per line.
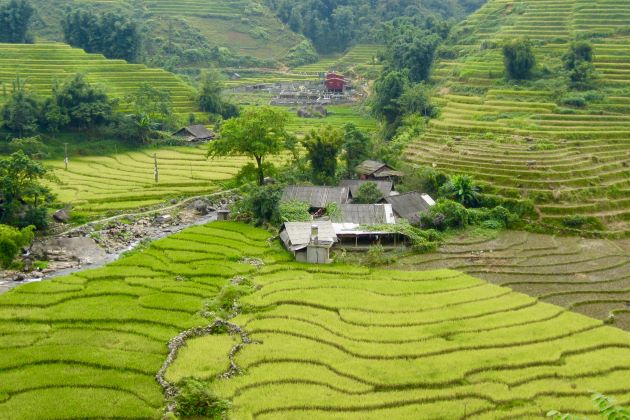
(21,112)
(15,20)
(83,104)
(113,34)
(12,240)
(578,61)
(152,110)
(416,99)
(258,133)
(413,51)
(23,198)
(259,205)
(210,95)
(368,194)
(462,188)
(519,59)
(356,147)
(388,90)
(323,147)
(31,146)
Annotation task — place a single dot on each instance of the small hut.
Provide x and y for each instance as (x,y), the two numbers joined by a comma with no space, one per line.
(410,205)
(195,133)
(374,170)
(309,242)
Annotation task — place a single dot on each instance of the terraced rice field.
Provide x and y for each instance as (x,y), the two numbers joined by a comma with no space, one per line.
(89,345)
(329,342)
(515,136)
(362,56)
(43,64)
(338,116)
(125,181)
(588,276)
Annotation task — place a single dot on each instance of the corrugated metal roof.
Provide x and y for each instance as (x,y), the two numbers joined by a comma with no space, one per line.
(297,235)
(409,206)
(316,197)
(367,214)
(385,187)
(195,132)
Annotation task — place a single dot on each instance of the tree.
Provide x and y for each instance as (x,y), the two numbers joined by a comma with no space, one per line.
(323,147)
(20,113)
(113,34)
(12,240)
(368,194)
(462,188)
(23,198)
(519,58)
(416,99)
(388,89)
(152,110)
(578,61)
(15,19)
(413,51)
(210,96)
(84,105)
(258,133)
(356,147)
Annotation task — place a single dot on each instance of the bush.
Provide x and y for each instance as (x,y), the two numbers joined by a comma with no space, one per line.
(368,194)
(446,214)
(577,101)
(295,211)
(196,399)
(376,256)
(519,59)
(12,240)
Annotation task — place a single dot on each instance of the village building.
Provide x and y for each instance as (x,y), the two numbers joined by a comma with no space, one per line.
(410,206)
(316,197)
(374,170)
(357,225)
(195,133)
(353,185)
(309,242)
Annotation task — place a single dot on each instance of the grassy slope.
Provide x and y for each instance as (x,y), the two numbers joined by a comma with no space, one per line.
(336,341)
(575,161)
(247,27)
(96,339)
(43,64)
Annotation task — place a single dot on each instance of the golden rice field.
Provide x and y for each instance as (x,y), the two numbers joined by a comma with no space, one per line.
(518,137)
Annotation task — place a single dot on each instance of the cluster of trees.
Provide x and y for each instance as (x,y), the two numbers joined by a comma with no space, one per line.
(113,34)
(74,104)
(211,98)
(332,25)
(15,20)
(519,58)
(578,61)
(402,89)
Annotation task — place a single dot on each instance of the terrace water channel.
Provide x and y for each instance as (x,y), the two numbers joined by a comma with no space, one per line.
(100,257)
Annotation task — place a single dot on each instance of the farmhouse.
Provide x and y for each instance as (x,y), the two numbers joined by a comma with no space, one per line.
(385,187)
(374,170)
(409,206)
(316,197)
(335,82)
(309,241)
(195,133)
(357,225)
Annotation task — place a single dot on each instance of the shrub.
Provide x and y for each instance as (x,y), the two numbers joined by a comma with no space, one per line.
(196,399)
(574,100)
(461,188)
(295,211)
(446,214)
(12,240)
(519,59)
(376,256)
(368,194)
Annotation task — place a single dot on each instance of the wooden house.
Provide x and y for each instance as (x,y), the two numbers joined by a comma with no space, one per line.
(410,206)
(195,133)
(374,170)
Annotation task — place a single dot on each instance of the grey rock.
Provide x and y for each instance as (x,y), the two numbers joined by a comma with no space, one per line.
(62,216)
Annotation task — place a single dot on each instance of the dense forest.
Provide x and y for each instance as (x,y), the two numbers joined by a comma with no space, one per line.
(332,25)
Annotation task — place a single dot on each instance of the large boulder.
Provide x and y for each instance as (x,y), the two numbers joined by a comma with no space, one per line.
(62,216)
(201,206)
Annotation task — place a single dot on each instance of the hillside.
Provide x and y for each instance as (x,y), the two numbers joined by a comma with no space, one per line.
(525,139)
(246,27)
(43,64)
(335,341)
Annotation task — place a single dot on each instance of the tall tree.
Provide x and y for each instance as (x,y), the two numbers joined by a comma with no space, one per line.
(519,58)
(15,19)
(258,133)
(356,147)
(20,113)
(84,105)
(388,89)
(323,147)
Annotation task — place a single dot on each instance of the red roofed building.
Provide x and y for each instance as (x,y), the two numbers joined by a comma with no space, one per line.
(335,82)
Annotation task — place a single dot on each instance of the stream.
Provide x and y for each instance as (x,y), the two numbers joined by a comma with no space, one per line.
(99,257)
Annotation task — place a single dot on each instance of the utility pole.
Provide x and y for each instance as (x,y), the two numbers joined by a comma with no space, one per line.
(155,168)
(65,154)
